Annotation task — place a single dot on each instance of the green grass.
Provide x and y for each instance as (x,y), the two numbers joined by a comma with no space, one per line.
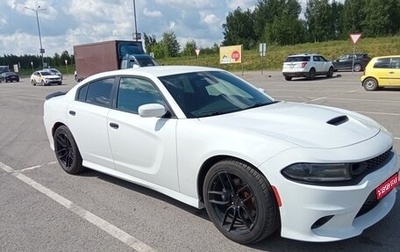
(275,55)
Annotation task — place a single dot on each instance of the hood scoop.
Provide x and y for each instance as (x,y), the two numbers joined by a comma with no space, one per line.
(338,120)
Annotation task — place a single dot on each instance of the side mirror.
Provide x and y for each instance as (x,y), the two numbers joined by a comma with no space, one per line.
(152,110)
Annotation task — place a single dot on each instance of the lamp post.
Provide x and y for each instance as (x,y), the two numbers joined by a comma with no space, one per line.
(135,37)
(38,25)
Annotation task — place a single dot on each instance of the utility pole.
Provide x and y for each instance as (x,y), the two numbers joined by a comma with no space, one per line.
(41,50)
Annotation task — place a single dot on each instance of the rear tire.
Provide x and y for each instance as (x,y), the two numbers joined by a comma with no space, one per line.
(288,78)
(330,72)
(66,150)
(311,74)
(240,202)
(370,84)
(357,68)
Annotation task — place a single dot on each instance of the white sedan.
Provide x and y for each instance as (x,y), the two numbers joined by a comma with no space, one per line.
(45,78)
(210,139)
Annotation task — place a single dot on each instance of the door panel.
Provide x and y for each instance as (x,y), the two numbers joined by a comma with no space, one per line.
(394,71)
(88,124)
(144,148)
(87,120)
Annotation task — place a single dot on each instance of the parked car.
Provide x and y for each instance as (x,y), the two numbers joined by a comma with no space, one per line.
(4,69)
(306,65)
(9,77)
(351,62)
(45,78)
(382,72)
(54,71)
(207,138)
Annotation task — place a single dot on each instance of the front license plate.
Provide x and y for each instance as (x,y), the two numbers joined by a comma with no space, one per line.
(387,186)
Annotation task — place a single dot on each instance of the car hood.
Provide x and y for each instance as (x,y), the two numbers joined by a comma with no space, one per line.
(53,76)
(305,125)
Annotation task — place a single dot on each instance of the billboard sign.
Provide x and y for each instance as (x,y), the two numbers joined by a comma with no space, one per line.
(230,54)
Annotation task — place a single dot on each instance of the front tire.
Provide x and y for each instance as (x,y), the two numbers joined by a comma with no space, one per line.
(240,202)
(370,84)
(66,150)
(288,78)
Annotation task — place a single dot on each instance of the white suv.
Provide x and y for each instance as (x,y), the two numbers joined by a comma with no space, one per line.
(306,65)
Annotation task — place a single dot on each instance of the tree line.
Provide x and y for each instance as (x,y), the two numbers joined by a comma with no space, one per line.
(277,22)
(282,22)
(35,62)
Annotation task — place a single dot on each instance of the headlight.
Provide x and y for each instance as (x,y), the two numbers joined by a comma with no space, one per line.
(309,172)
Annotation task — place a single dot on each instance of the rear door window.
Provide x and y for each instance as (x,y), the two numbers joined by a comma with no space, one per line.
(298,59)
(395,62)
(97,92)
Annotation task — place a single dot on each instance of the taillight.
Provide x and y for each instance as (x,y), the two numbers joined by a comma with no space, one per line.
(303,64)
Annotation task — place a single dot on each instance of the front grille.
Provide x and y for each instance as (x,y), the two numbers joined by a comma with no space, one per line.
(379,161)
(372,165)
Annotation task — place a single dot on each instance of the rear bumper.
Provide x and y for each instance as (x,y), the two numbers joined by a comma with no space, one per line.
(295,74)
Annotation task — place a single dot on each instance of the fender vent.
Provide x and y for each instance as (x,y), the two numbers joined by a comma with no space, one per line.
(338,120)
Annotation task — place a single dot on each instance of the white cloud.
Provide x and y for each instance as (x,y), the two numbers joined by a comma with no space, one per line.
(209,19)
(243,4)
(67,23)
(189,3)
(149,13)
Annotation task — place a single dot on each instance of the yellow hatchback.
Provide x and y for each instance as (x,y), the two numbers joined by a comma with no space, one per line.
(381,72)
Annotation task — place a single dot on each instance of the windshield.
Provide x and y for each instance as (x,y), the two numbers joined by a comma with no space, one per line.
(202,94)
(129,48)
(146,61)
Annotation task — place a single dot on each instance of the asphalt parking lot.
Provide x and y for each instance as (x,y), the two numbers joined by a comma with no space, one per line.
(44,209)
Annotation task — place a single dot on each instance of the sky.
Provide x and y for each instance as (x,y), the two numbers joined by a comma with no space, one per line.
(65,23)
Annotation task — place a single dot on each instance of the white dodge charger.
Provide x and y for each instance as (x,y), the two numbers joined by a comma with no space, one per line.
(210,139)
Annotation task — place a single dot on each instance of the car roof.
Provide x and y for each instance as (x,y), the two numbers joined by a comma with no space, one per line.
(159,71)
(304,54)
(42,71)
(387,56)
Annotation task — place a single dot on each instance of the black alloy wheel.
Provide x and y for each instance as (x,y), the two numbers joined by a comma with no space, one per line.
(240,202)
(311,74)
(330,72)
(66,150)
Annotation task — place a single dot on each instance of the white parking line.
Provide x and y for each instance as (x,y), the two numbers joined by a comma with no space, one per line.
(378,113)
(37,166)
(316,99)
(353,91)
(95,220)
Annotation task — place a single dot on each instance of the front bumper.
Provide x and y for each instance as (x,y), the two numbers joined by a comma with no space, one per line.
(51,81)
(330,213)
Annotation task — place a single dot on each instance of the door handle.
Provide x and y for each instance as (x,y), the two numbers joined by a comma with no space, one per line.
(391,72)
(114,125)
(71,112)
